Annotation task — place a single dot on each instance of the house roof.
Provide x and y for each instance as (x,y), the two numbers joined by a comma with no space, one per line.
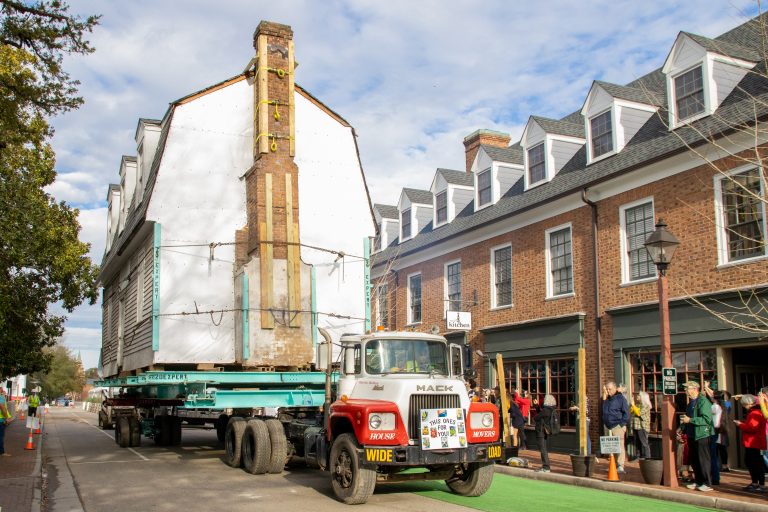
(509,155)
(387,211)
(560,126)
(652,142)
(459,178)
(735,50)
(622,92)
(418,196)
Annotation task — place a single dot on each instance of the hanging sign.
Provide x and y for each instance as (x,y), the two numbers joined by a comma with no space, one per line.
(458,321)
(443,428)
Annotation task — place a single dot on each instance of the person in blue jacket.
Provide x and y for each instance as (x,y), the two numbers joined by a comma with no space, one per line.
(615,418)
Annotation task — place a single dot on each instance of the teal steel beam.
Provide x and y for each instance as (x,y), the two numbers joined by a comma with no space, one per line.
(367,281)
(218,378)
(246,332)
(224,399)
(156,289)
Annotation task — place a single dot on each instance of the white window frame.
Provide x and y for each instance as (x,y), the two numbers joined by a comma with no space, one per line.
(140,295)
(592,157)
(408,314)
(550,285)
(445,284)
(410,224)
(494,304)
(447,208)
(626,278)
(723,257)
(675,119)
(488,170)
(528,184)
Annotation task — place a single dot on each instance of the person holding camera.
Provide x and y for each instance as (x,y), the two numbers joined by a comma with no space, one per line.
(698,427)
(615,418)
(543,422)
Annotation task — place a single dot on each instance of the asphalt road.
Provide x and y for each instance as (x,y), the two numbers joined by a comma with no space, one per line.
(189,477)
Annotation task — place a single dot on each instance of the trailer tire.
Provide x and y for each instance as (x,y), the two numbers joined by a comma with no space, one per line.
(162,431)
(221,427)
(475,479)
(174,430)
(233,441)
(135,432)
(279,445)
(257,450)
(103,423)
(123,432)
(352,484)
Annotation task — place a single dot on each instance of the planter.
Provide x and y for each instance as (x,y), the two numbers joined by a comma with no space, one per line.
(583,465)
(652,471)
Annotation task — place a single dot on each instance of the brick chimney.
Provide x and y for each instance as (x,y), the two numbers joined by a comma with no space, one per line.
(488,137)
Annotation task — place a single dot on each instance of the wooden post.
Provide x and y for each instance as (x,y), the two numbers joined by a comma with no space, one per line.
(263,95)
(266,236)
(581,362)
(508,441)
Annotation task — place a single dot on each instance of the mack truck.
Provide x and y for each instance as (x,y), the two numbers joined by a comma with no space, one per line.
(397,402)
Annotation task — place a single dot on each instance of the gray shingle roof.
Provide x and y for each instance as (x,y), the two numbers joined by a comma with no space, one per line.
(510,155)
(387,211)
(560,127)
(652,142)
(460,178)
(623,92)
(418,196)
(734,50)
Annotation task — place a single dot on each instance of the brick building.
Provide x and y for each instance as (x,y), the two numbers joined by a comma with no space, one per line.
(542,240)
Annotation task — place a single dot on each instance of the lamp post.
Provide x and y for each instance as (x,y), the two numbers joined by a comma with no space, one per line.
(661,245)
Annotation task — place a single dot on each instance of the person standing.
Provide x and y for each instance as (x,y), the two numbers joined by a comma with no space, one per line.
(542,421)
(523,401)
(698,425)
(753,437)
(615,418)
(717,421)
(641,424)
(5,419)
(34,403)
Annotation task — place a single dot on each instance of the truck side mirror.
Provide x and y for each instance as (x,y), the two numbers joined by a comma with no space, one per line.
(457,365)
(322,356)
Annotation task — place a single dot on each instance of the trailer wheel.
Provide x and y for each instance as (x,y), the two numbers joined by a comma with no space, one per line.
(233,441)
(473,480)
(135,432)
(352,484)
(221,427)
(257,450)
(174,430)
(279,445)
(162,431)
(123,432)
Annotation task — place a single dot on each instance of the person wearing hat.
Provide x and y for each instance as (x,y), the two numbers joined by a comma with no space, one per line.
(697,422)
(34,403)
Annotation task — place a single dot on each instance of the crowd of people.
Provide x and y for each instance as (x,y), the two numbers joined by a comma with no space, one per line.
(702,435)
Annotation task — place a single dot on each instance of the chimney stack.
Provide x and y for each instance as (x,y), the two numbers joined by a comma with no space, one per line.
(473,141)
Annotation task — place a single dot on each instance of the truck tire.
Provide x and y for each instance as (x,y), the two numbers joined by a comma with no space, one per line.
(135,432)
(123,432)
(221,427)
(233,441)
(474,480)
(279,444)
(174,430)
(257,450)
(117,432)
(352,484)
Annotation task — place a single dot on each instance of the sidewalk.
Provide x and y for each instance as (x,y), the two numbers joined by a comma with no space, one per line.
(20,480)
(726,496)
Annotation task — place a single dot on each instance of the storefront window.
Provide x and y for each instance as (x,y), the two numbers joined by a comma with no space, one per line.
(554,376)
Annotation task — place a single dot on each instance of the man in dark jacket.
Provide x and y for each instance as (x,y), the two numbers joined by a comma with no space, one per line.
(542,420)
(615,417)
(698,426)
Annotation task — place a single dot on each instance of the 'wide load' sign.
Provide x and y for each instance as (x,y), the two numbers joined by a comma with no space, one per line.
(443,428)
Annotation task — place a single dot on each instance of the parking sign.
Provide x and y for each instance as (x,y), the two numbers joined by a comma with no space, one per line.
(669,378)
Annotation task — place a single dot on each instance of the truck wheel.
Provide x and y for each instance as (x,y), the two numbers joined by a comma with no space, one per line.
(117,432)
(174,430)
(135,432)
(351,483)
(257,451)
(221,427)
(474,480)
(124,430)
(162,431)
(233,441)
(279,445)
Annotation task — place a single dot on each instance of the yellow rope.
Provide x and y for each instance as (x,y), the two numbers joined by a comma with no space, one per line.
(278,71)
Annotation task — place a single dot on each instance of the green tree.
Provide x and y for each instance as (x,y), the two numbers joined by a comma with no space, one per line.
(65,374)
(42,261)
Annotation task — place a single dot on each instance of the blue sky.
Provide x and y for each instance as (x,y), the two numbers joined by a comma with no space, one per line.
(413,78)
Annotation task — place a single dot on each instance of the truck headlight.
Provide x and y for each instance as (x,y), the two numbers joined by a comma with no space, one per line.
(479,420)
(381,421)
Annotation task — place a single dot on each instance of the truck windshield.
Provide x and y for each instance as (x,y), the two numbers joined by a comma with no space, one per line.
(405,356)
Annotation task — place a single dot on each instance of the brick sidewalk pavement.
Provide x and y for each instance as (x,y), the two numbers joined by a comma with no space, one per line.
(20,473)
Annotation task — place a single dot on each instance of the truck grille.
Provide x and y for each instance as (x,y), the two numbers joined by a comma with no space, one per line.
(419,402)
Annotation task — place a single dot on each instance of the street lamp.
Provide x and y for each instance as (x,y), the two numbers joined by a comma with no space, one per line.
(661,245)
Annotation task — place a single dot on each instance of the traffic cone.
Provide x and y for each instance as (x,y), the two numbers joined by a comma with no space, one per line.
(39,427)
(29,446)
(613,474)
(22,417)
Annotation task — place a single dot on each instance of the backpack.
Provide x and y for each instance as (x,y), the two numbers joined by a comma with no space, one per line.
(552,427)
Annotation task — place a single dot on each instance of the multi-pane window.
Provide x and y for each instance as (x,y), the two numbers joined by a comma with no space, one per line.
(743,212)
(689,93)
(502,277)
(696,365)
(602,134)
(453,286)
(414,299)
(556,377)
(441,202)
(562,385)
(560,262)
(536,169)
(484,188)
(405,222)
(382,306)
(638,226)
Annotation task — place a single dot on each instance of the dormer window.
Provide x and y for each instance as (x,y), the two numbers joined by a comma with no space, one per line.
(405,222)
(536,168)
(484,195)
(601,130)
(689,94)
(441,204)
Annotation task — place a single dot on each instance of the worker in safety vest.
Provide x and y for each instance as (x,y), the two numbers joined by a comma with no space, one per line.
(34,402)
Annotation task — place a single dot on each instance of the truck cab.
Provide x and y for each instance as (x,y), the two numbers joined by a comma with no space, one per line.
(402,403)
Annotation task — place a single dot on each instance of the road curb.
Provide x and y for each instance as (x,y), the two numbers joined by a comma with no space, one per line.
(38,475)
(637,490)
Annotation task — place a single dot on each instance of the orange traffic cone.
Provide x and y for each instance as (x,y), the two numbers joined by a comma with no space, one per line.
(22,415)
(613,474)
(29,446)
(39,427)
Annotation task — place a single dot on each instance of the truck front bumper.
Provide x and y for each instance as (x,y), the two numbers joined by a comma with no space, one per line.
(373,456)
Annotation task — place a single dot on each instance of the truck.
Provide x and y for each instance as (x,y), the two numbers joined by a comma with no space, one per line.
(396,402)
